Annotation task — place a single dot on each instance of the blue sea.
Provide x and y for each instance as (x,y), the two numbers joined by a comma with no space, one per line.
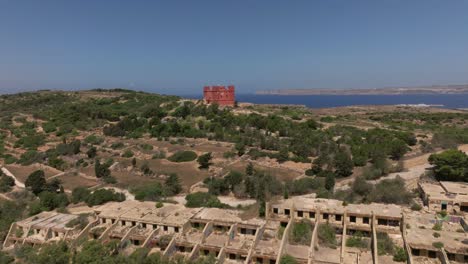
(323,101)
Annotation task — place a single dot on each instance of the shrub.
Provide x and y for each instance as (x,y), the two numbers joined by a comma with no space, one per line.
(437,227)
(102,196)
(127,154)
(416,207)
(301,232)
(357,240)
(438,244)
(6,183)
(204,160)
(399,255)
(93,140)
(287,259)
(183,156)
(436,235)
(384,244)
(327,235)
(80,194)
(201,199)
(149,192)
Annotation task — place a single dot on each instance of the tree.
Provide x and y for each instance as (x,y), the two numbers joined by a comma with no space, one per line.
(361,186)
(249,170)
(134,162)
(201,199)
(283,155)
(101,170)
(204,160)
(102,196)
(173,184)
(240,147)
(233,178)
(80,194)
(36,182)
(6,183)
(343,164)
(330,181)
(398,149)
(50,200)
(450,165)
(91,152)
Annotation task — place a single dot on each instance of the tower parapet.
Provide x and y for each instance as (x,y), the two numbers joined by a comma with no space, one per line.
(220,95)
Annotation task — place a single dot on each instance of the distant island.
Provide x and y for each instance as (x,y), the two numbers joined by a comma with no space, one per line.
(436,89)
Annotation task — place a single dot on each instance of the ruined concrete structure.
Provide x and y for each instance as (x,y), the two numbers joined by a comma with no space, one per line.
(219,95)
(174,230)
(449,196)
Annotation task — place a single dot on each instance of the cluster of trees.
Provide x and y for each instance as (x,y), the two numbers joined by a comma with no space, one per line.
(202,199)
(338,149)
(97,197)
(94,252)
(156,191)
(51,194)
(392,191)
(6,182)
(450,165)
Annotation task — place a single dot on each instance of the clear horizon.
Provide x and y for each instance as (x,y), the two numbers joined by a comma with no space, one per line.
(176,47)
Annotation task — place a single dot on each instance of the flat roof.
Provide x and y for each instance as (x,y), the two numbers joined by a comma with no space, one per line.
(455,187)
(46,220)
(307,203)
(448,191)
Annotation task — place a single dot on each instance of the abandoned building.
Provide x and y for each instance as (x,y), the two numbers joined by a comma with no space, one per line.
(175,230)
(445,196)
(220,95)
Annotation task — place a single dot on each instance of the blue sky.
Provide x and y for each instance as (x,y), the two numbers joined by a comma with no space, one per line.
(178,46)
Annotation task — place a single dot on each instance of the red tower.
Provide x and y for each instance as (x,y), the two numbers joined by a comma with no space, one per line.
(220,95)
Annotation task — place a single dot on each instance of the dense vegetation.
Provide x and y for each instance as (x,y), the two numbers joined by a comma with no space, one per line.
(93,252)
(450,165)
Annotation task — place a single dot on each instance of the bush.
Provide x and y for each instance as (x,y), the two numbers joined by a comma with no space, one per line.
(80,194)
(287,259)
(384,244)
(327,235)
(93,140)
(301,232)
(438,244)
(102,196)
(400,255)
(436,235)
(437,227)
(30,157)
(416,207)
(127,154)
(183,156)
(204,160)
(450,165)
(357,240)
(173,184)
(201,199)
(149,192)
(50,200)
(6,183)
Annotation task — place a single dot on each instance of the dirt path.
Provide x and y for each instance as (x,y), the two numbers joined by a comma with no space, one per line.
(17,182)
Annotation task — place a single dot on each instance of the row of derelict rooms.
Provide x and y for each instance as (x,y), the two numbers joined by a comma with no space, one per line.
(175,230)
